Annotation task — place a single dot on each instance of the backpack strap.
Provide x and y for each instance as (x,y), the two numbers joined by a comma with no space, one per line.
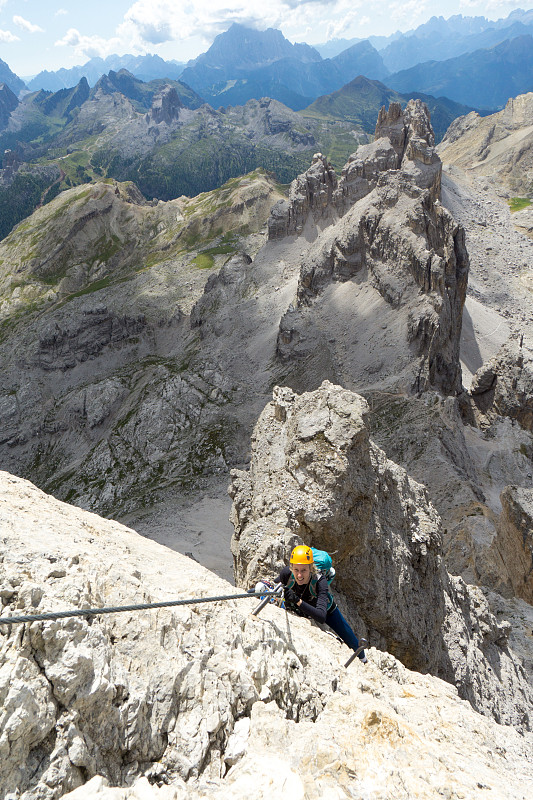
(291,583)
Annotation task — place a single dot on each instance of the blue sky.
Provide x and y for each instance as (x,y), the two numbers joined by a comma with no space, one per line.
(49,34)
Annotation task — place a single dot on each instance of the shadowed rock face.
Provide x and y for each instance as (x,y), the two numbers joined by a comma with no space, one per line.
(413,255)
(515,539)
(312,192)
(8,103)
(165,106)
(61,348)
(504,385)
(315,476)
(96,289)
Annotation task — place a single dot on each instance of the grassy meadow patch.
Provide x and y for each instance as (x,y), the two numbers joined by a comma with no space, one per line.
(518,203)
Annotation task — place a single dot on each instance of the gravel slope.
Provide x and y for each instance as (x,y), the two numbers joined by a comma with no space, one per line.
(500,287)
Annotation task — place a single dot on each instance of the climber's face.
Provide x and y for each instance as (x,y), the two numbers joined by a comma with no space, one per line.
(301,572)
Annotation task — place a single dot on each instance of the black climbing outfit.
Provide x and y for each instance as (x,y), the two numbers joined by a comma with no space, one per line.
(318,603)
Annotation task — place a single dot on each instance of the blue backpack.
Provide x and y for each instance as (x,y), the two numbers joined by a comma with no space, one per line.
(323,563)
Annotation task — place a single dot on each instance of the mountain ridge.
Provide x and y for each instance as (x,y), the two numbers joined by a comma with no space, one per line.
(360,100)
(491,75)
(8,77)
(93,70)
(214,80)
(460,27)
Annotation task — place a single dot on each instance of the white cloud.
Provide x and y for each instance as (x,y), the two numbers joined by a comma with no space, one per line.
(491,8)
(337,28)
(151,22)
(60,12)
(157,21)
(7,36)
(26,26)
(88,46)
(408,14)
(171,27)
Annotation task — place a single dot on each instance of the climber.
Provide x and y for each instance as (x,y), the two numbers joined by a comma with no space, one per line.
(307,594)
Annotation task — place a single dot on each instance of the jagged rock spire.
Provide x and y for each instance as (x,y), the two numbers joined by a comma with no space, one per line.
(383,229)
(165,106)
(404,140)
(310,193)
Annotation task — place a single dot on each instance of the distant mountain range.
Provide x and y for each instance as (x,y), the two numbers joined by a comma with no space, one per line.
(441,58)
(8,103)
(439,39)
(225,75)
(10,79)
(164,138)
(224,79)
(160,135)
(146,68)
(176,129)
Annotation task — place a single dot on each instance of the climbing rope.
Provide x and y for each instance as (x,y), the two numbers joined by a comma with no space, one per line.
(94,612)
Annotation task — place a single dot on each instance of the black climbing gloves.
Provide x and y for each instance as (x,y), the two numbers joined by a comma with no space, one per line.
(290,596)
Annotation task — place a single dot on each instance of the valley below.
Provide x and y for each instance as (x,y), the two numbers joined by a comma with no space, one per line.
(346,361)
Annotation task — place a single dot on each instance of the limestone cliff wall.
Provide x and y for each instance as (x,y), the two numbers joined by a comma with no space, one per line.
(498,146)
(315,476)
(514,542)
(123,695)
(504,384)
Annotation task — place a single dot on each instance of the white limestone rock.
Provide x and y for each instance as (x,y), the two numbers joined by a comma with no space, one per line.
(125,693)
(166,704)
(385,733)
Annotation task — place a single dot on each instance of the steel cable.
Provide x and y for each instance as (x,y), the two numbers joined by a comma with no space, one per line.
(93,612)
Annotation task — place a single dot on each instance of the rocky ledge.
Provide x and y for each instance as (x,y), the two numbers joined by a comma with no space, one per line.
(504,384)
(205,701)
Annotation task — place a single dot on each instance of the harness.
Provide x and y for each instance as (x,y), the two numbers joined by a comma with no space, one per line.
(312,586)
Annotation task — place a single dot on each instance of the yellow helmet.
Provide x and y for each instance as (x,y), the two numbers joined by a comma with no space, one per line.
(302,555)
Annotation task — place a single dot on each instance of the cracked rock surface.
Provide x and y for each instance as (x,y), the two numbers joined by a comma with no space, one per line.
(204,701)
(121,694)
